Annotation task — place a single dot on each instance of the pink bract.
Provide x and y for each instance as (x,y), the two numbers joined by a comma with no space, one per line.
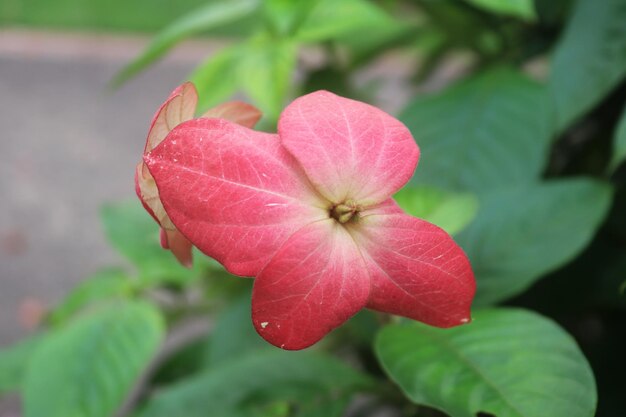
(309,213)
(179,107)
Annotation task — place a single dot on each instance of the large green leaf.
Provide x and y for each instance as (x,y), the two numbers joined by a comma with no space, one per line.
(101,287)
(450,211)
(525,232)
(590,58)
(14,360)
(619,144)
(87,368)
(213,14)
(136,236)
(520,8)
(306,380)
(331,19)
(488,132)
(506,363)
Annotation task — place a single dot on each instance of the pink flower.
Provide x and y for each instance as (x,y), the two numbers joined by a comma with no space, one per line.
(309,213)
(179,107)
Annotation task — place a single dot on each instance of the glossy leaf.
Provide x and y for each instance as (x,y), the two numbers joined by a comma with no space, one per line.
(14,360)
(212,15)
(590,59)
(619,143)
(87,368)
(524,9)
(450,211)
(310,380)
(525,232)
(103,286)
(488,132)
(506,363)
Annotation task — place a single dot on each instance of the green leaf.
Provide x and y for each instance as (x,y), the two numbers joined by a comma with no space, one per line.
(212,15)
(103,286)
(307,380)
(265,71)
(619,143)
(87,368)
(392,34)
(14,361)
(524,9)
(590,59)
(216,77)
(331,19)
(523,233)
(506,363)
(136,236)
(490,131)
(285,16)
(263,67)
(450,211)
(233,335)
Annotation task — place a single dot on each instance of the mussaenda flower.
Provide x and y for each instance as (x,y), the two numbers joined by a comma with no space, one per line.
(308,212)
(179,107)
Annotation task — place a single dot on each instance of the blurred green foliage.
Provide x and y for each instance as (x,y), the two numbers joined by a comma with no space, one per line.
(524,167)
(135,15)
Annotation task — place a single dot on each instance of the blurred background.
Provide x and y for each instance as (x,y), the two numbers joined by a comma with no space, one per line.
(518,107)
(72,142)
(73,139)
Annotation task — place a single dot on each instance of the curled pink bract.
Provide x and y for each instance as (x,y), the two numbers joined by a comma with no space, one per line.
(308,212)
(179,107)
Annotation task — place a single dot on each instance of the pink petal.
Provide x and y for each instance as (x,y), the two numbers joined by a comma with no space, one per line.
(139,183)
(417,270)
(180,247)
(349,150)
(243,114)
(180,106)
(235,193)
(163,238)
(149,195)
(316,281)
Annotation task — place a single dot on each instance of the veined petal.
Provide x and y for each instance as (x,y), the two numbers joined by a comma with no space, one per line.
(236,194)
(148,193)
(180,247)
(180,106)
(316,281)
(417,270)
(170,237)
(348,149)
(143,193)
(243,114)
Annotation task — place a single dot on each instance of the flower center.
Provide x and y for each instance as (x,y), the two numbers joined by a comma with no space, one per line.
(344,212)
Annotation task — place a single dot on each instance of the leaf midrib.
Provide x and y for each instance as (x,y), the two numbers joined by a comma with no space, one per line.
(474,368)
